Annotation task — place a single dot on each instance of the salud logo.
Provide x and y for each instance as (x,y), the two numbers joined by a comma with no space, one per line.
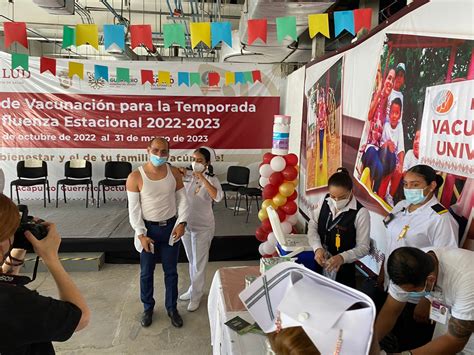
(443,102)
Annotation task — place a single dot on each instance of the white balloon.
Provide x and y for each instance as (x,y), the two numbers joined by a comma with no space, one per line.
(263,181)
(292,219)
(260,249)
(268,248)
(286,227)
(277,163)
(266,170)
(272,239)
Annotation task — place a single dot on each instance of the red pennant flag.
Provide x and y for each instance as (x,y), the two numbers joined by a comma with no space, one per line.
(214,78)
(141,34)
(257,29)
(147,76)
(362,19)
(48,64)
(15,32)
(256,75)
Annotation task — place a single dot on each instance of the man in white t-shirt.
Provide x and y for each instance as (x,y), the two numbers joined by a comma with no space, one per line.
(447,275)
(412,156)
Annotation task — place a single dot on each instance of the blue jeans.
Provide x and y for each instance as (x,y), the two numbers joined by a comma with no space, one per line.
(169,259)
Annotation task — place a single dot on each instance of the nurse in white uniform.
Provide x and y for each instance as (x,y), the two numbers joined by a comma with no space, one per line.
(202,189)
(419,221)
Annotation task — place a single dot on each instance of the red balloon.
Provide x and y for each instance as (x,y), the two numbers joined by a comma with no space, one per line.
(292,197)
(267,157)
(276,179)
(261,235)
(291,159)
(281,214)
(289,173)
(266,226)
(289,208)
(269,191)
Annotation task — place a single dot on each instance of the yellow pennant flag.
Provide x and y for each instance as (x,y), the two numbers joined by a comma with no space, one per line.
(229,77)
(76,69)
(200,31)
(87,34)
(318,23)
(164,78)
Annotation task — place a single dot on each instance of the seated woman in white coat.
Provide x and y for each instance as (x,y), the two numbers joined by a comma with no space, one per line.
(202,189)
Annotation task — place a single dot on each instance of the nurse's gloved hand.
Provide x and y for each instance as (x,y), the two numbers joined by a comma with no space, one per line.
(319,257)
(178,232)
(334,263)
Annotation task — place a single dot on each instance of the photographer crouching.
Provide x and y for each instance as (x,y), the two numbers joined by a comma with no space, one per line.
(30,322)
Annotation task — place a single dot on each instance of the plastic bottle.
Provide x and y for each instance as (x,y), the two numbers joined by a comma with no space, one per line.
(281,134)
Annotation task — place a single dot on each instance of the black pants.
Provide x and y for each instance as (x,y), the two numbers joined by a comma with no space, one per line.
(346,275)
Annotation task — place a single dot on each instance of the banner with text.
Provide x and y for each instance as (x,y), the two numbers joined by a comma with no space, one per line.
(56,119)
(447,128)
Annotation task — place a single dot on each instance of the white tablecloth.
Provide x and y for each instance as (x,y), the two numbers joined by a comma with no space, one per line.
(223,305)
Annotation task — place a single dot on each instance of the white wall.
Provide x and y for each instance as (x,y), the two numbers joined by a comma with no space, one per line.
(292,105)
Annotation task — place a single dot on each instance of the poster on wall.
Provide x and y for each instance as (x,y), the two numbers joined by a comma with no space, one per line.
(398,124)
(323,129)
(56,118)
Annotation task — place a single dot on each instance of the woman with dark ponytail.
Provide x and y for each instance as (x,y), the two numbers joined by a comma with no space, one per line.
(202,189)
(419,221)
(339,229)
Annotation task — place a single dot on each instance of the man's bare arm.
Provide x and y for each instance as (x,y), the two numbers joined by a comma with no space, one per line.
(459,332)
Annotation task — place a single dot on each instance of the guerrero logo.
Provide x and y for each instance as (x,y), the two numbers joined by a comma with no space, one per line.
(443,102)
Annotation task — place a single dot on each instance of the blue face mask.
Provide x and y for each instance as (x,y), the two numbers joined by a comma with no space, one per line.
(420,294)
(414,196)
(157,161)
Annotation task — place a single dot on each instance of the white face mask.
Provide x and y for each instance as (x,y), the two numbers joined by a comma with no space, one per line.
(340,204)
(198,167)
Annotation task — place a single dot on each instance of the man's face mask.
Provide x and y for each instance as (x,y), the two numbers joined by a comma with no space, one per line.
(157,161)
(421,294)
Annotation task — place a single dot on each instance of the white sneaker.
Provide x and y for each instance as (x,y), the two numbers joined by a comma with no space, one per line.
(185,296)
(192,306)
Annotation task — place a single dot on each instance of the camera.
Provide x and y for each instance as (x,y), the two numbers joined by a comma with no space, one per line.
(28,223)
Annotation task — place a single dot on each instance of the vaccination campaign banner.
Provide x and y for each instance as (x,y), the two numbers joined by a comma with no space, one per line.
(447,128)
(56,118)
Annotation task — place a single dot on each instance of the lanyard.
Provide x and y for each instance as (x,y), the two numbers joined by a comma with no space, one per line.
(329,228)
(334,223)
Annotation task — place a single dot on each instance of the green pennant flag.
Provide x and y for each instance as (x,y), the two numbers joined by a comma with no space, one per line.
(20,60)
(194,78)
(69,36)
(286,26)
(123,74)
(248,78)
(174,33)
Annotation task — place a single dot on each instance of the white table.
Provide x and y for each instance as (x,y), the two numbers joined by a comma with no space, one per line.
(223,305)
